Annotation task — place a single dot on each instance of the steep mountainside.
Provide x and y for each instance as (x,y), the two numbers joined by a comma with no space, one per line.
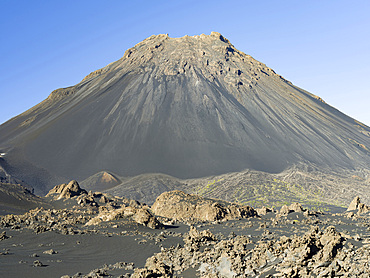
(188,107)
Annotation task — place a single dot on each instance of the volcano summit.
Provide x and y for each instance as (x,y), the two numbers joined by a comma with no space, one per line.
(187,107)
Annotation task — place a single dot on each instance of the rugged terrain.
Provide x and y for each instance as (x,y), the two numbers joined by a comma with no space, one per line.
(188,107)
(92,234)
(195,160)
(313,187)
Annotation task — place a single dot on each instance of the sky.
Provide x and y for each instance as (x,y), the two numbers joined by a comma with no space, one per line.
(320,46)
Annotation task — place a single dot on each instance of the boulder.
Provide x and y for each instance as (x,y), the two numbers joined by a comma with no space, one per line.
(284,210)
(3,236)
(357,205)
(263,211)
(140,215)
(354,204)
(182,206)
(295,207)
(146,218)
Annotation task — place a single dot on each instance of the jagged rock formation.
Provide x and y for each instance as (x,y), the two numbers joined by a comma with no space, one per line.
(107,239)
(181,206)
(139,214)
(66,191)
(292,208)
(315,254)
(357,205)
(110,208)
(188,107)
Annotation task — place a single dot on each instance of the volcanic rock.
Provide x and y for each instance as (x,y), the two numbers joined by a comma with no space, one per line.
(263,211)
(188,107)
(354,204)
(181,206)
(357,205)
(3,236)
(37,263)
(66,191)
(194,238)
(140,215)
(296,256)
(144,217)
(295,207)
(50,252)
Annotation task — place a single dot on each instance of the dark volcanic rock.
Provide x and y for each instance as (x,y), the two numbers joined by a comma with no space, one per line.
(3,236)
(188,107)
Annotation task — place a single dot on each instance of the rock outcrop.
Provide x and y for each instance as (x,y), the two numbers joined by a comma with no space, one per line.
(182,206)
(66,191)
(139,214)
(315,254)
(357,205)
(263,211)
(295,207)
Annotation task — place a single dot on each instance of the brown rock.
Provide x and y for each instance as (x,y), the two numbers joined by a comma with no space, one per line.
(362,208)
(331,241)
(50,252)
(296,207)
(153,268)
(354,204)
(194,237)
(66,191)
(284,210)
(263,211)
(182,206)
(140,215)
(357,205)
(144,217)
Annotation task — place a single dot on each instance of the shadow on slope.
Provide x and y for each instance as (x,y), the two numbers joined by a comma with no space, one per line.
(16,199)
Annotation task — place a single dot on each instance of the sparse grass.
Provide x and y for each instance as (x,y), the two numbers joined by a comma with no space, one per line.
(272,193)
(209,188)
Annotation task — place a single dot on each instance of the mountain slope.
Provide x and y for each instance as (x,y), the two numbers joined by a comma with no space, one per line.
(16,199)
(188,107)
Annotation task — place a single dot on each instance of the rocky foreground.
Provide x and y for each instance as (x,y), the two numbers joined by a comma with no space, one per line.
(92,234)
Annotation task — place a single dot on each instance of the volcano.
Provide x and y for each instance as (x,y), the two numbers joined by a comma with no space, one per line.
(187,107)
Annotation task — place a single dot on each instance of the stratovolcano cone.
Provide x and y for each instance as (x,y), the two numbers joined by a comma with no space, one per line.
(187,107)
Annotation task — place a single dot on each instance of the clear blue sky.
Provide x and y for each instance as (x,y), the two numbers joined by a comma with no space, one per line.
(321,46)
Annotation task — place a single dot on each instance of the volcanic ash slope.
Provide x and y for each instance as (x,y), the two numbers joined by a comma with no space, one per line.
(188,107)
